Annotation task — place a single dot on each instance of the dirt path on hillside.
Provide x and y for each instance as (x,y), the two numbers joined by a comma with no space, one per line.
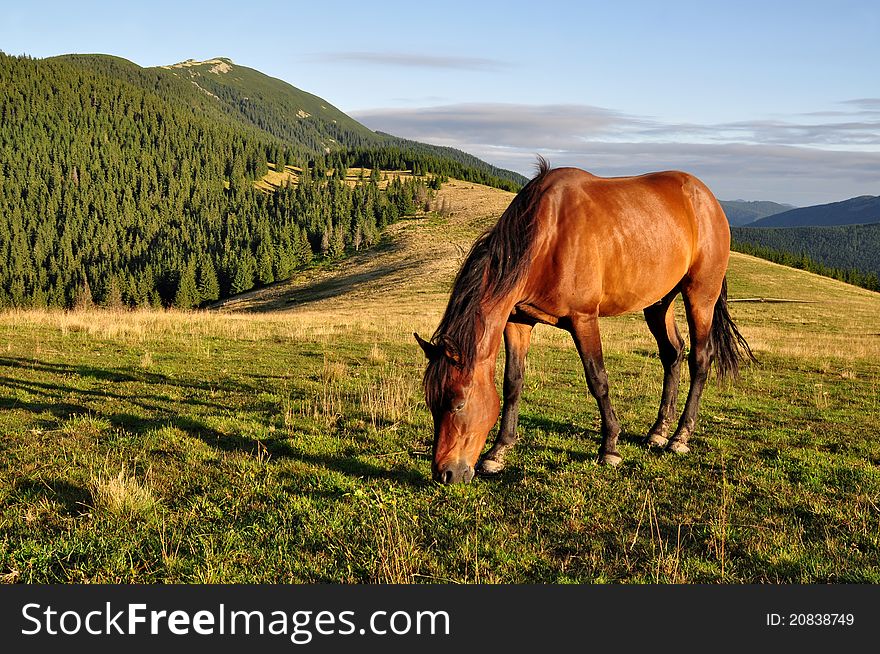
(417,259)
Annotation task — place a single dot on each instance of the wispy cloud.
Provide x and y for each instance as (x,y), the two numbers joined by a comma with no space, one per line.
(506,125)
(796,161)
(551,126)
(865,105)
(828,134)
(411,60)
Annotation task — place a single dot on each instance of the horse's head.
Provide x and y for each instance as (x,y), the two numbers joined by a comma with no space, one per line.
(465,406)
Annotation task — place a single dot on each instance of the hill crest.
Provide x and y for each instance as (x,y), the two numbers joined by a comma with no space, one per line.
(743,212)
(864,209)
(219,65)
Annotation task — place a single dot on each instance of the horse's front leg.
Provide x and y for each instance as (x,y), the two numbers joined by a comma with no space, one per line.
(516,344)
(585,330)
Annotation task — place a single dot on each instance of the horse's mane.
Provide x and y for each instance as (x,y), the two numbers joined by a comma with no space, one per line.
(496,263)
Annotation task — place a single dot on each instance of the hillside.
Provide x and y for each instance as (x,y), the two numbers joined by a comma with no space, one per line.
(122,185)
(300,118)
(274,106)
(742,212)
(418,258)
(846,247)
(464,160)
(861,210)
(294,446)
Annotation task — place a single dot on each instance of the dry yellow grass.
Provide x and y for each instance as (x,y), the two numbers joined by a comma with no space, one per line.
(275,178)
(122,495)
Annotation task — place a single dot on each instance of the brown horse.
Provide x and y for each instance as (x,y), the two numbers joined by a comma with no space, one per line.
(570,248)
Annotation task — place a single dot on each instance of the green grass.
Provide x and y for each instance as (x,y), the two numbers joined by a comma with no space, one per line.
(290,448)
(295,446)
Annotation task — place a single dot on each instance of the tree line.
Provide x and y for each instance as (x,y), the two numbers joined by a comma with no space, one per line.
(845,252)
(868,280)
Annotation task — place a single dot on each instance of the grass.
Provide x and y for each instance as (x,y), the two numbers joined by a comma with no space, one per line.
(121,495)
(295,447)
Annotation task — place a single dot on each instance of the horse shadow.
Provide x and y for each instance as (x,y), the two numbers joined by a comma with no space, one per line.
(574,431)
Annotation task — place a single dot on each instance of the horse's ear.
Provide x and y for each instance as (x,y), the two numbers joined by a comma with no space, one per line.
(431,351)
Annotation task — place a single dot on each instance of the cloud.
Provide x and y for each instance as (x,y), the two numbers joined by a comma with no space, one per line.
(506,125)
(551,126)
(411,60)
(824,134)
(865,105)
(802,162)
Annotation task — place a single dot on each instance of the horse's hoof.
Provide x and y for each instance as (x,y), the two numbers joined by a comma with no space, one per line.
(656,440)
(610,459)
(678,447)
(489,467)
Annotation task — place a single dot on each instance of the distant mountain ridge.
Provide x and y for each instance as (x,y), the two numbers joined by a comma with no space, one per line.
(742,212)
(861,210)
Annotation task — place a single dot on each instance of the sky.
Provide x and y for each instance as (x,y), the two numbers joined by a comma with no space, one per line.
(771,100)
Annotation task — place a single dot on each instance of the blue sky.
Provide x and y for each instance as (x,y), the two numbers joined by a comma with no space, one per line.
(763,100)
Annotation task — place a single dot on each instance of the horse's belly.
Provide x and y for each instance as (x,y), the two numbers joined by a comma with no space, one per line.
(634,294)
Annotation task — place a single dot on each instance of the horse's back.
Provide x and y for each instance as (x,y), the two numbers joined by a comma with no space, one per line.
(619,244)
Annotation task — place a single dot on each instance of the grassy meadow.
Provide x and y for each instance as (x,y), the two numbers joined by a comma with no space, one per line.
(286,440)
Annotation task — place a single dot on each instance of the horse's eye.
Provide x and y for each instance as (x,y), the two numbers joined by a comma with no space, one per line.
(458,406)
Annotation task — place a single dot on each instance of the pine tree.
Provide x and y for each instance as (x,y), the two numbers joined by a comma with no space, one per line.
(265,274)
(337,242)
(304,253)
(243,280)
(187,295)
(208,286)
(326,237)
(112,294)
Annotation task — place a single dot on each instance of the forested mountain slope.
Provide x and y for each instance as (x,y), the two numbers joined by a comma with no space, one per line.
(126,185)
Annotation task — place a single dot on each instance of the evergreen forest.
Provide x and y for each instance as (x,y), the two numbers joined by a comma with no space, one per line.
(848,253)
(126,186)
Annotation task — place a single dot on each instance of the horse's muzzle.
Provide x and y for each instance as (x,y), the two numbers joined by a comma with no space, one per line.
(454,472)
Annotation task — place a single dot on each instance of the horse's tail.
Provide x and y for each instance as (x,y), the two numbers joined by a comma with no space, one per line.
(730,348)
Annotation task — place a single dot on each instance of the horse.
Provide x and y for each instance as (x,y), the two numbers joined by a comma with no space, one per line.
(570,248)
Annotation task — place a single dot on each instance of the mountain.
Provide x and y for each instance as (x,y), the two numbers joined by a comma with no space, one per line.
(742,212)
(855,211)
(846,247)
(274,106)
(144,186)
(310,126)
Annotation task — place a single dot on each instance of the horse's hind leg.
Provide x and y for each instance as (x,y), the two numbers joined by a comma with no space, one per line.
(516,344)
(585,330)
(661,321)
(700,304)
